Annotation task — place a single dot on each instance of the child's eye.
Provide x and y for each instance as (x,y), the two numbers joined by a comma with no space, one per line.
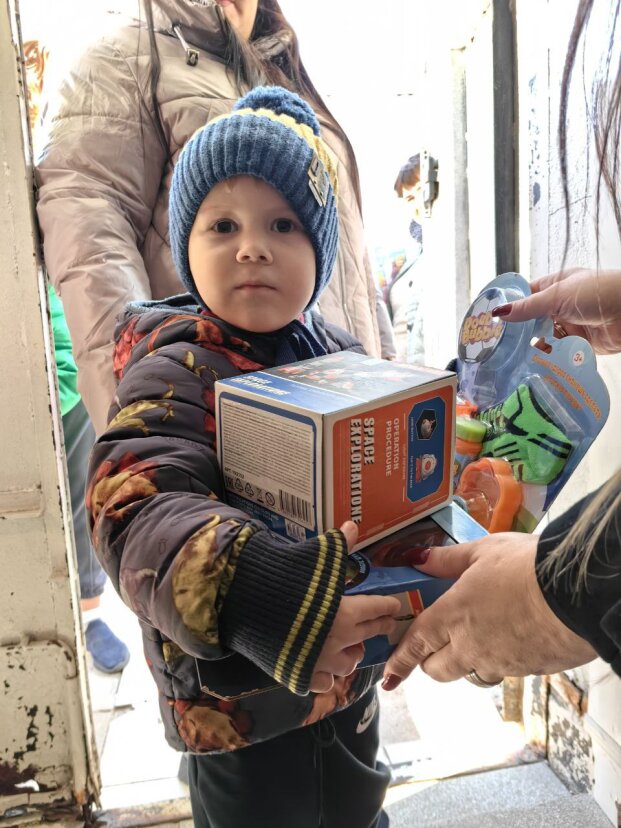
(225,226)
(284,225)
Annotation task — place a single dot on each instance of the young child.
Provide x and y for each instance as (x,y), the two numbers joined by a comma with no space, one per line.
(239,625)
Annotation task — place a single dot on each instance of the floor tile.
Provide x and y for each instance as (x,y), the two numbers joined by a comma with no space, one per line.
(143,793)
(136,750)
(396,724)
(101,721)
(468,799)
(103,688)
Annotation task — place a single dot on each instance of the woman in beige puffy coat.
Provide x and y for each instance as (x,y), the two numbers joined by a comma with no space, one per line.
(119,122)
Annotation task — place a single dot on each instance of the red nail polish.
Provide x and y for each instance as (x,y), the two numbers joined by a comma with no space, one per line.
(390,682)
(415,557)
(502,310)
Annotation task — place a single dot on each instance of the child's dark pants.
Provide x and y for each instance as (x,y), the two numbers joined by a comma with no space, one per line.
(322,775)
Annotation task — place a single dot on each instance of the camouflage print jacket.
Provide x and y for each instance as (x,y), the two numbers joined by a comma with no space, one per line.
(233,619)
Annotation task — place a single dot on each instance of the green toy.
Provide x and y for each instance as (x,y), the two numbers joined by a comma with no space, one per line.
(523,432)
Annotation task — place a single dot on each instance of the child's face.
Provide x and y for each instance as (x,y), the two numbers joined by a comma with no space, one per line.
(252,262)
(413,197)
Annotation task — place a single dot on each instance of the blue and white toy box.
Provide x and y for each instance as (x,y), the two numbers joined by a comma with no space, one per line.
(307,446)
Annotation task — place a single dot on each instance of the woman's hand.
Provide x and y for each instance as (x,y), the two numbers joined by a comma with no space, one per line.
(494,620)
(584,302)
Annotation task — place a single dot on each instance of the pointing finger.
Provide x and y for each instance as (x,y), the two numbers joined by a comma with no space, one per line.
(449,561)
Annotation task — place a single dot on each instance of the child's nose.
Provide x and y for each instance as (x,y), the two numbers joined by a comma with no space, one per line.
(254,247)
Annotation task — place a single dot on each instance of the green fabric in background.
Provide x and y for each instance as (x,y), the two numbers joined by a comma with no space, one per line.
(65,364)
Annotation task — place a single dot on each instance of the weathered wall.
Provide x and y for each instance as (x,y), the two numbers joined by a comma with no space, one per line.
(45,739)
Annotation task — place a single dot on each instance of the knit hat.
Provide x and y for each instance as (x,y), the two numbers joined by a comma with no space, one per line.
(271,134)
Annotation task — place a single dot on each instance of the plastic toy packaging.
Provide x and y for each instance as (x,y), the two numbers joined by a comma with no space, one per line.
(529,406)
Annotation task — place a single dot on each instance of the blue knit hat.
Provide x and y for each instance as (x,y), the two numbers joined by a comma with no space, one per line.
(271,134)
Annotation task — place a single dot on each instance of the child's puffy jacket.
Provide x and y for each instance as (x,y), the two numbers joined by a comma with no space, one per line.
(223,603)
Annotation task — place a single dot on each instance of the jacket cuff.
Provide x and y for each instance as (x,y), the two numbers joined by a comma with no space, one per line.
(282,601)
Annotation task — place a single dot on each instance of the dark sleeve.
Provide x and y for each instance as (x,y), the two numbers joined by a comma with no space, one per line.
(592,611)
(206,575)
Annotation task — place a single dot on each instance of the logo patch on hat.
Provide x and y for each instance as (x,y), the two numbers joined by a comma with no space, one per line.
(318,180)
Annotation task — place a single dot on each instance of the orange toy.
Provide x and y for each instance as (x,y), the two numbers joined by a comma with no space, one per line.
(492,494)
(464,408)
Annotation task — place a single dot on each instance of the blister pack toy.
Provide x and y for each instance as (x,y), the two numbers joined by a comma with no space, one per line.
(529,406)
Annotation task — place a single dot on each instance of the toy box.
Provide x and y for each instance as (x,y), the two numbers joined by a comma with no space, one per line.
(381,570)
(304,447)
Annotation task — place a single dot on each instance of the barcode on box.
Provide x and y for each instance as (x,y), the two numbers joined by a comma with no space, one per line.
(294,530)
(295,507)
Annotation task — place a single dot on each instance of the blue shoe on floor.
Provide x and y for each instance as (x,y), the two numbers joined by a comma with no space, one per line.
(109,653)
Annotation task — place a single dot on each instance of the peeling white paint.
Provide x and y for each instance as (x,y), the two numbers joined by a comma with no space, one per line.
(46,756)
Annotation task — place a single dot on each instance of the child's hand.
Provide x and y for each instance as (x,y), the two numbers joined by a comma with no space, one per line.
(358,617)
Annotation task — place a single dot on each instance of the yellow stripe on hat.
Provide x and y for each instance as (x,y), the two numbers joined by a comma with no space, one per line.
(316,143)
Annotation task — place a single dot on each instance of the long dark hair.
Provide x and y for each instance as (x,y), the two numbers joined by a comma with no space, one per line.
(604,115)
(575,550)
(154,77)
(271,56)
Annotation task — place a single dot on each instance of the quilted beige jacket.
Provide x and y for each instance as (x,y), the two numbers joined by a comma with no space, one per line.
(103,180)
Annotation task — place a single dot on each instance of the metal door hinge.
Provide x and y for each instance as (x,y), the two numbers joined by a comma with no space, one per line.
(428,180)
